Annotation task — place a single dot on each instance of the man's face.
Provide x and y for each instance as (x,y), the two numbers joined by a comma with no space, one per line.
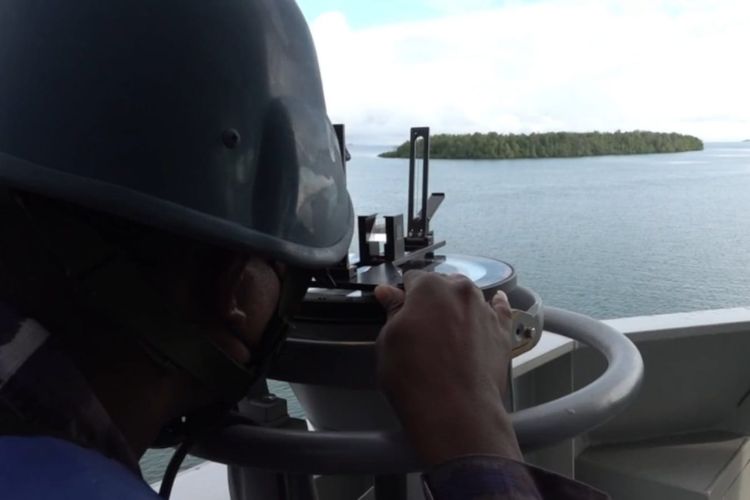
(246,297)
(233,295)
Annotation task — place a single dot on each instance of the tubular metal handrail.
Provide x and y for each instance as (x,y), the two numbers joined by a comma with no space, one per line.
(379,452)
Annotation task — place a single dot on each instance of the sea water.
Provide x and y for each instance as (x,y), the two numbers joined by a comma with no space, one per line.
(609,236)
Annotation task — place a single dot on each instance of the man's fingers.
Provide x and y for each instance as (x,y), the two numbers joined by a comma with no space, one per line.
(501,305)
(464,284)
(391,298)
(411,277)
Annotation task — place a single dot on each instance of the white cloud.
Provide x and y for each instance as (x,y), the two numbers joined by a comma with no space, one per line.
(456,6)
(549,65)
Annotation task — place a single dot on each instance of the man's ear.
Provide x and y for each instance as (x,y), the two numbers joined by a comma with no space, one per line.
(230,292)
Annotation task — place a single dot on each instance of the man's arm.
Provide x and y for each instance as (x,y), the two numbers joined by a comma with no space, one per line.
(443,360)
(443,363)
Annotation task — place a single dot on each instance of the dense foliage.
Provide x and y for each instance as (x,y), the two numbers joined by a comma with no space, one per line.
(552,145)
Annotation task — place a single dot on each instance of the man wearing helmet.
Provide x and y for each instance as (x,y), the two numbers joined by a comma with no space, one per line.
(168,179)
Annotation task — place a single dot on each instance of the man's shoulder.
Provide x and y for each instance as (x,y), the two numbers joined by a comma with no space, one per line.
(43,467)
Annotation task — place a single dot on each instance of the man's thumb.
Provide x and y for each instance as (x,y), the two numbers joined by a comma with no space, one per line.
(391,298)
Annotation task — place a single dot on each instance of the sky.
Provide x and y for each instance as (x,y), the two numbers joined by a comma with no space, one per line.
(520,66)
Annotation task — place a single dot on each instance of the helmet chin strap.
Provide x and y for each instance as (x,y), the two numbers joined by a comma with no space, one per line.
(110,282)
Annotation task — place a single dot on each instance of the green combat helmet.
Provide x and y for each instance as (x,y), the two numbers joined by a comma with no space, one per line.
(205,119)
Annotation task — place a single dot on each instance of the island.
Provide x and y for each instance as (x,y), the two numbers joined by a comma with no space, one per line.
(496,146)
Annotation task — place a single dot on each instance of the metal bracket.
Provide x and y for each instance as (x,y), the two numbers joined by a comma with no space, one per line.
(389,248)
(419,234)
(526,329)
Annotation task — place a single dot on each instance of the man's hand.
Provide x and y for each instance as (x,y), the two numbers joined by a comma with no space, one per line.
(443,363)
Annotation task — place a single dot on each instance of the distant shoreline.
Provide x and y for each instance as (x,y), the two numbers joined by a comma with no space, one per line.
(493,146)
